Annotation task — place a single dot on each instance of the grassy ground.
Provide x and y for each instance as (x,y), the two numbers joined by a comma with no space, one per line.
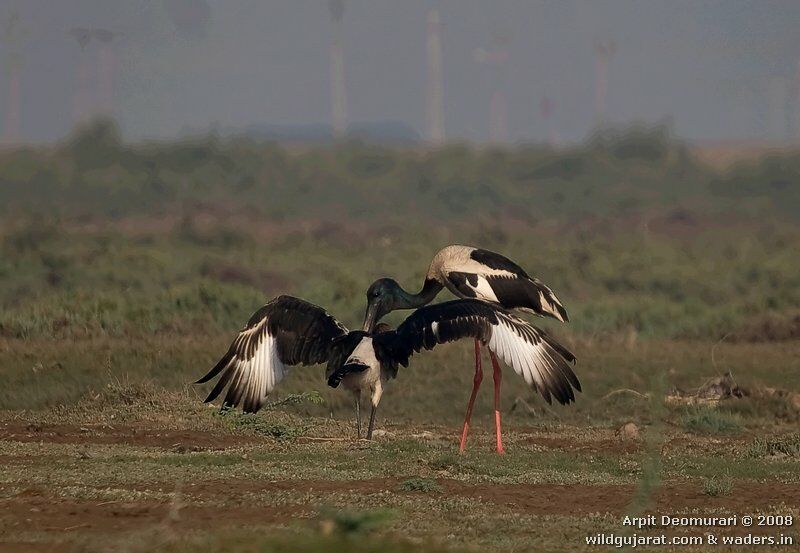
(704,281)
(105,444)
(128,458)
(126,270)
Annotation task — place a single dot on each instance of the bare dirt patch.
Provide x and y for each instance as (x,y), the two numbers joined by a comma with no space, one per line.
(540,499)
(30,511)
(579,499)
(181,440)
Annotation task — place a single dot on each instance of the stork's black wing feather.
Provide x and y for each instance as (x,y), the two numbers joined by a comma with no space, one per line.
(286,331)
(496,261)
(437,324)
(537,357)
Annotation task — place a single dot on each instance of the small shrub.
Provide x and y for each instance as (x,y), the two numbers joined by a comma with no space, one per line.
(718,486)
(280,432)
(420,485)
(448,462)
(705,420)
(312,397)
(256,424)
(780,446)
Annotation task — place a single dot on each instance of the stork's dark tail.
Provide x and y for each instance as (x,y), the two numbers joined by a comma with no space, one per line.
(336,377)
(549,304)
(529,294)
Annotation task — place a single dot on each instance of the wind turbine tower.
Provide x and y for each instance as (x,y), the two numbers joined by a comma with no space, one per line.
(86,105)
(81,101)
(497,59)
(106,70)
(547,108)
(435,80)
(777,95)
(12,38)
(338,89)
(603,51)
(793,113)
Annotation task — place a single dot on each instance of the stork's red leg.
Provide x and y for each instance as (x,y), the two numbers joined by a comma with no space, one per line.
(476,383)
(498,377)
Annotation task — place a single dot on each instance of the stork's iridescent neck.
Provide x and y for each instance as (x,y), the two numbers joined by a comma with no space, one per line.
(386,295)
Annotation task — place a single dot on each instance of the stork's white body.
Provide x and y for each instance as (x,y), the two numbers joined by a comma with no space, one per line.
(457,258)
(373,379)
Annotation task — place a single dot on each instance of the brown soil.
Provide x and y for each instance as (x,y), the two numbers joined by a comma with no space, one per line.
(177,440)
(39,509)
(571,499)
(540,499)
(182,441)
(30,512)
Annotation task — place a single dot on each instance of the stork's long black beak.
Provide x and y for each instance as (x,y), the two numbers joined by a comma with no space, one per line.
(371,316)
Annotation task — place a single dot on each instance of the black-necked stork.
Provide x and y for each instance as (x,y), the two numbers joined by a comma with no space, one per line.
(289,331)
(470,273)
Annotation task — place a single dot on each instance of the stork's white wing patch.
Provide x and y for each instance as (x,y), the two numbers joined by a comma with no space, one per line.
(484,290)
(529,360)
(261,373)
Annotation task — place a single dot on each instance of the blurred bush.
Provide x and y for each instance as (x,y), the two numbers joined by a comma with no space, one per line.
(95,173)
(636,237)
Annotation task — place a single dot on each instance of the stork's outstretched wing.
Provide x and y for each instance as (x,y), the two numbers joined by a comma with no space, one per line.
(540,360)
(287,331)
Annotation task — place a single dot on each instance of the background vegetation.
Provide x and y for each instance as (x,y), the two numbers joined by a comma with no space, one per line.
(126,269)
(100,237)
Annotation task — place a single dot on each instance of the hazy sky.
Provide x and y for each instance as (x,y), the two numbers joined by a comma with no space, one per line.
(718,69)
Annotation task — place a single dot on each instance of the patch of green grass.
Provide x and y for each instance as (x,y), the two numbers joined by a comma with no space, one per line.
(279,431)
(447,461)
(776,446)
(201,459)
(351,523)
(738,467)
(420,485)
(263,426)
(524,465)
(718,485)
(706,420)
(313,397)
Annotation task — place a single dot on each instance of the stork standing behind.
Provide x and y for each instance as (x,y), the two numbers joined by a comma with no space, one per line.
(471,273)
(289,331)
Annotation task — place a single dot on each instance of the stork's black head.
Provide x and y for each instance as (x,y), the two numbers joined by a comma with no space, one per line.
(383,296)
